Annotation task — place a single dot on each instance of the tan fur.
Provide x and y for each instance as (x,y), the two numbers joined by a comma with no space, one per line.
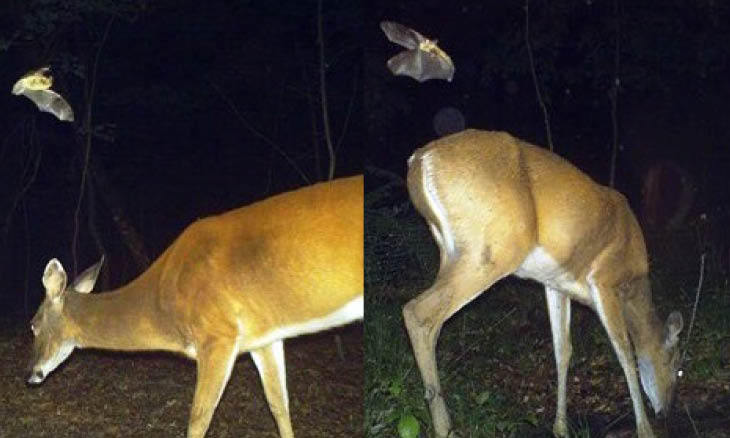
(499,206)
(237,282)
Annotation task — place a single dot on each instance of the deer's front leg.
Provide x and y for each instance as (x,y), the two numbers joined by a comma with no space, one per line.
(612,317)
(559,311)
(269,361)
(215,362)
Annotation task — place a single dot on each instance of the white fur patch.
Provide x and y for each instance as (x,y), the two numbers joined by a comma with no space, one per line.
(648,382)
(540,266)
(52,363)
(190,351)
(445,236)
(348,313)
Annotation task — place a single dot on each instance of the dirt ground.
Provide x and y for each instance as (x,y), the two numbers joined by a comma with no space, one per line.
(101,394)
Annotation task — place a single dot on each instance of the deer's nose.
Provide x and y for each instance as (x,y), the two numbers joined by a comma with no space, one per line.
(35,377)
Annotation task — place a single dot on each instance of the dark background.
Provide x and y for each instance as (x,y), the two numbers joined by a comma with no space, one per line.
(195,106)
(668,119)
(200,107)
(671,113)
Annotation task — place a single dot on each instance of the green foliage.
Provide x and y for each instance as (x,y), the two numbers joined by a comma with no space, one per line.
(399,250)
(391,390)
(408,427)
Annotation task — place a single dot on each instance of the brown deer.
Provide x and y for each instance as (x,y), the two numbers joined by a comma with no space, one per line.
(498,206)
(239,282)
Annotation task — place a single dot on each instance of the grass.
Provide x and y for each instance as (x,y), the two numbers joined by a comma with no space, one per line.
(495,356)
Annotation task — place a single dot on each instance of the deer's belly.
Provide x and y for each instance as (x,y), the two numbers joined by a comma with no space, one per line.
(542,267)
(351,311)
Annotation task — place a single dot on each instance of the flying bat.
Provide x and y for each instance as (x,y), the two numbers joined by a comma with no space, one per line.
(36,86)
(423,60)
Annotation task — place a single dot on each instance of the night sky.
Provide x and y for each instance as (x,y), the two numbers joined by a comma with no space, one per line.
(199,107)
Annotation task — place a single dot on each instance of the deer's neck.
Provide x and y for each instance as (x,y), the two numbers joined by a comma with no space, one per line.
(128,318)
(645,327)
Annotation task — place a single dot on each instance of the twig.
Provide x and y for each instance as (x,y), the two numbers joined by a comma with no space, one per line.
(613,94)
(694,308)
(534,76)
(608,427)
(29,182)
(312,117)
(323,93)
(87,153)
(492,327)
(691,420)
(26,286)
(256,132)
(350,106)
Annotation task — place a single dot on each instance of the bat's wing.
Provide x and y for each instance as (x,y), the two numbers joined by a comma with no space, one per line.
(401,35)
(421,65)
(424,61)
(406,63)
(51,102)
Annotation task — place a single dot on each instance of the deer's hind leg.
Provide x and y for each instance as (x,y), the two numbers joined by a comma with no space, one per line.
(461,279)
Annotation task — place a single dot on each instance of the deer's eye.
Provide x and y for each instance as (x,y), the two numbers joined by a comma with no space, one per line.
(34,329)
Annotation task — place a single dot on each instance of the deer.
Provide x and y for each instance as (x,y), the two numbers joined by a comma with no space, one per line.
(499,206)
(238,282)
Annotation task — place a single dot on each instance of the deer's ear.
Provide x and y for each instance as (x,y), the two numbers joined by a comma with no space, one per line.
(672,328)
(54,279)
(85,282)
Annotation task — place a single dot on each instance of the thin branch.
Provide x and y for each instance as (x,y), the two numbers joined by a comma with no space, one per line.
(350,107)
(691,420)
(26,285)
(256,132)
(534,76)
(28,181)
(613,94)
(694,308)
(312,115)
(608,427)
(87,126)
(323,93)
(457,359)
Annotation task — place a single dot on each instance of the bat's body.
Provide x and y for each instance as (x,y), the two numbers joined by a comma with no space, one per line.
(36,86)
(423,60)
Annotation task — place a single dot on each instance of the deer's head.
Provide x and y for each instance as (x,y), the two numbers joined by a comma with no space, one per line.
(659,367)
(53,330)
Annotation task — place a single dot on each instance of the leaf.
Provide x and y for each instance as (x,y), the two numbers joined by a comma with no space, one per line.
(408,427)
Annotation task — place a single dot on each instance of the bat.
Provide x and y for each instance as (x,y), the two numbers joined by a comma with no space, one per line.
(36,86)
(423,60)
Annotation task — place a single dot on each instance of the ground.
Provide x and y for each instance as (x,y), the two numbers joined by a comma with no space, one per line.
(498,376)
(495,356)
(102,394)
